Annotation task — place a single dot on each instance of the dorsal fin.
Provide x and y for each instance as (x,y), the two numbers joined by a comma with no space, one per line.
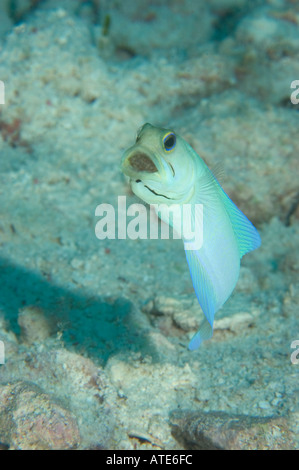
(248,238)
(218,171)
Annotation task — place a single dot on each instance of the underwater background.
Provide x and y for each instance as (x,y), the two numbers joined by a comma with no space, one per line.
(94,333)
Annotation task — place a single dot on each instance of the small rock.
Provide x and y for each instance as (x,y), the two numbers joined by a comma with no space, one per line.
(77,263)
(35,327)
(30,420)
(182,313)
(218,430)
(264,405)
(235,323)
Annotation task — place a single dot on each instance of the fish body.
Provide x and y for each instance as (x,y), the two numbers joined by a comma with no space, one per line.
(165,170)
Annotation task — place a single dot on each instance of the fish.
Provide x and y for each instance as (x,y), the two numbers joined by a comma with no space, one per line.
(164,169)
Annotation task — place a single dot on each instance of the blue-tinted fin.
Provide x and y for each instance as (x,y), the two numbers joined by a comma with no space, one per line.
(218,171)
(205,332)
(247,236)
(205,294)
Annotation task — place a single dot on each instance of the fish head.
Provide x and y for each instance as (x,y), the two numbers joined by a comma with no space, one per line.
(160,166)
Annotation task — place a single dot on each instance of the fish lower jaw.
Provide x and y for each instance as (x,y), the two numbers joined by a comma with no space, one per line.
(144,190)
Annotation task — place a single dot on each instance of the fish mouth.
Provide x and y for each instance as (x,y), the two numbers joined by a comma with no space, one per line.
(140,161)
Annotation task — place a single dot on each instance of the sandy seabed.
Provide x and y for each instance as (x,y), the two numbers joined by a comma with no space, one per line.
(96,332)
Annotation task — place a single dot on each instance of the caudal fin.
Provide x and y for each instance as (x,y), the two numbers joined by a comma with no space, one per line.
(205,294)
(205,332)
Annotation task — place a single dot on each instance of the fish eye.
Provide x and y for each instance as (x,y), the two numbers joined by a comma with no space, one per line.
(169,141)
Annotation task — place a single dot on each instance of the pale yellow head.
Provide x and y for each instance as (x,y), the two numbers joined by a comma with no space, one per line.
(161,166)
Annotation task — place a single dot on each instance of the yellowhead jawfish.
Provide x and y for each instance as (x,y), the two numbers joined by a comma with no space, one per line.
(164,169)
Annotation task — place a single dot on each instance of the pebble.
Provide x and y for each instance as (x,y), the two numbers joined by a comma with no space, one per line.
(31,420)
(218,430)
